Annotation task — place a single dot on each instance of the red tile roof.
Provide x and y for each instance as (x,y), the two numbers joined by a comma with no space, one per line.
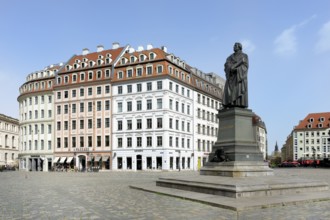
(314,121)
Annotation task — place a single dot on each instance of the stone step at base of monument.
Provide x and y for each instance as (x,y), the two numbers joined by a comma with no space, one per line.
(243,187)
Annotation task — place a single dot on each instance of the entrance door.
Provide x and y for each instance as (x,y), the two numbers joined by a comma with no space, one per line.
(159,163)
(171,163)
(138,162)
(129,163)
(82,163)
(149,162)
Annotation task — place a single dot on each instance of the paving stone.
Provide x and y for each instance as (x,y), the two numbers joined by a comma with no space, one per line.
(38,195)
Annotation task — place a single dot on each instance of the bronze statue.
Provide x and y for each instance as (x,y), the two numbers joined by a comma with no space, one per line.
(236,69)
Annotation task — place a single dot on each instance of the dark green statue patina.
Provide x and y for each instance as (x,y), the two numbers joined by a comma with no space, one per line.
(236,69)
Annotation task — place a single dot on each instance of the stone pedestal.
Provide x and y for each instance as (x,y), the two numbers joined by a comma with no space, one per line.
(236,152)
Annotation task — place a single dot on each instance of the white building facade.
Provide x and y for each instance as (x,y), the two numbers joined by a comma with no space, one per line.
(155,102)
(36,109)
(9,139)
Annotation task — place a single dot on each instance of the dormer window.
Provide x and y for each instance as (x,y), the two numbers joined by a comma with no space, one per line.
(67,67)
(311,120)
(108,55)
(75,66)
(85,59)
(320,125)
(99,62)
(322,119)
(132,59)
(91,63)
(83,65)
(123,61)
(141,57)
(108,60)
(152,56)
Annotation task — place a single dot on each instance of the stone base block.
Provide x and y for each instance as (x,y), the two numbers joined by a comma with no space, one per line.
(237,169)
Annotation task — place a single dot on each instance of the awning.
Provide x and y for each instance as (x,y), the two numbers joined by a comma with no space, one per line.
(90,159)
(56,159)
(62,159)
(97,158)
(105,158)
(69,160)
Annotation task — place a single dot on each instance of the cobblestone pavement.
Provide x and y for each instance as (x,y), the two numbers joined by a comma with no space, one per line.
(37,195)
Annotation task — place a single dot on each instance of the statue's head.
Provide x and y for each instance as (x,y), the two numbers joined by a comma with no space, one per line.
(238,46)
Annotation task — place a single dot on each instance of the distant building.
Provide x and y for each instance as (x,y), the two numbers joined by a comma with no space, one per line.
(310,138)
(120,109)
(36,109)
(261,135)
(9,133)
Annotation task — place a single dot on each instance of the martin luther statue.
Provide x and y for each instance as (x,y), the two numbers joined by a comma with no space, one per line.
(236,69)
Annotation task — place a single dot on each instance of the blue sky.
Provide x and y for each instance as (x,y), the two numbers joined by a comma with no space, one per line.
(288,43)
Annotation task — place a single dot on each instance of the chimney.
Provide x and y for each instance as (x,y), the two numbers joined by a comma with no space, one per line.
(100,48)
(164,49)
(115,45)
(140,48)
(85,51)
(149,46)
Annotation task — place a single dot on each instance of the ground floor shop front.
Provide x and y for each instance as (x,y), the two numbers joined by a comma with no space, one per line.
(81,162)
(36,162)
(152,160)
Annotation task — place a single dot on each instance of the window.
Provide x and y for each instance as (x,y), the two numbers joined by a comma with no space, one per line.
(171,86)
(82,109)
(129,106)
(82,91)
(149,86)
(107,122)
(36,100)
(98,140)
(149,70)
(99,122)
(73,108)
(182,108)
(129,88)
(139,87)
(65,142)
(58,142)
(139,141)
(149,123)
(74,93)
(177,88)
(171,104)
(107,105)
(107,140)
(73,144)
(139,124)
(129,73)
(171,142)
(120,75)
(66,94)
(90,75)
(182,91)
(176,142)
(159,123)
(66,125)
(99,90)
(120,125)
(159,85)
(171,123)
(177,124)
(90,141)
(149,141)
(139,105)
(129,125)
(120,142)
(66,109)
(58,95)
(58,109)
(177,106)
(82,124)
(120,107)
(159,103)
(159,141)
(188,109)
(107,89)
(107,72)
(74,124)
(90,91)
(149,104)
(138,71)
(90,123)
(98,105)
(188,93)
(159,69)
(120,90)
(129,142)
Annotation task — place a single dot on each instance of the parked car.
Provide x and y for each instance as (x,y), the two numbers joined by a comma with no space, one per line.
(290,164)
